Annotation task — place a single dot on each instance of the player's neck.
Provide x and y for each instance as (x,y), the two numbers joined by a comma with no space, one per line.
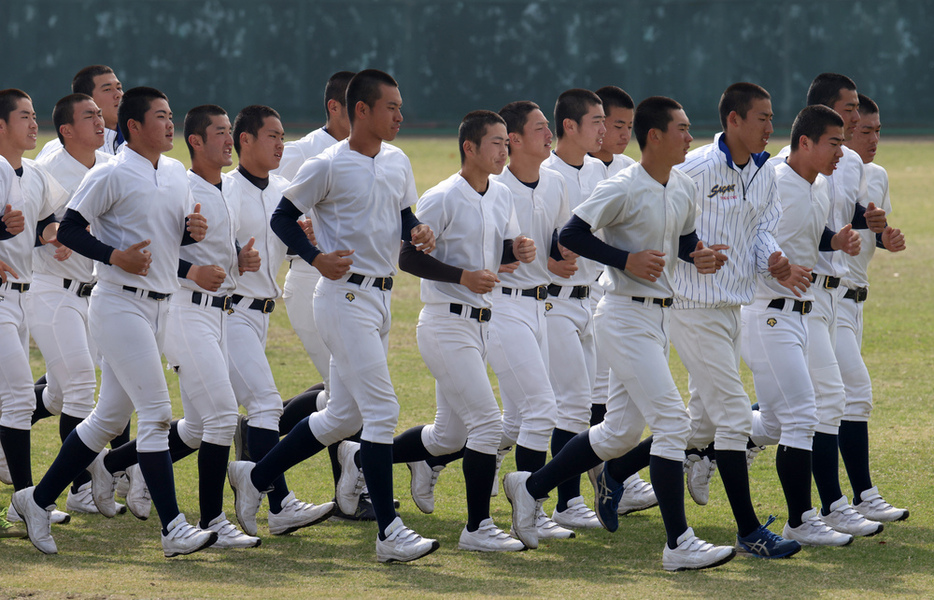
(657,168)
(253,167)
(85,156)
(12,155)
(364,142)
(146,152)
(336,131)
(524,167)
(799,164)
(570,152)
(738,154)
(208,172)
(603,155)
(477,178)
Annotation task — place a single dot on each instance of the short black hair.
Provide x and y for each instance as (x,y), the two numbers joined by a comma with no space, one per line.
(473,127)
(825,89)
(812,122)
(64,112)
(739,97)
(365,87)
(573,104)
(250,120)
(516,114)
(336,89)
(9,98)
(197,122)
(83,82)
(135,104)
(867,105)
(653,113)
(614,97)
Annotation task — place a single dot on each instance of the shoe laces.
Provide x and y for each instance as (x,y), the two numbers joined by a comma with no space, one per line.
(768,534)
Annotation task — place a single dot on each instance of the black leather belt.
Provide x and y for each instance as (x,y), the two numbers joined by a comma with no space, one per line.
(380,283)
(18,287)
(83,289)
(830,282)
(800,306)
(264,306)
(480,314)
(663,302)
(857,295)
(539,292)
(222,302)
(151,295)
(577,291)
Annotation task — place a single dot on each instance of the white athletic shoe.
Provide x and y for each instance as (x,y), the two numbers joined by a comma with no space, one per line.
(694,553)
(875,508)
(402,544)
(296,514)
(845,519)
(81,501)
(814,532)
(547,528)
(351,482)
(246,497)
(38,520)
(524,508)
(576,516)
(137,497)
(58,517)
(698,470)
(489,538)
(102,486)
(5,476)
(185,538)
(500,455)
(638,494)
(229,536)
(424,478)
(122,488)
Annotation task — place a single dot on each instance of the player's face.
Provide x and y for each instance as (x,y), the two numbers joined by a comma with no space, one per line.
(592,129)
(536,136)
(218,142)
(847,106)
(107,94)
(676,141)
(269,144)
(21,128)
(755,130)
(618,130)
(490,156)
(828,150)
(866,139)
(385,116)
(87,126)
(156,131)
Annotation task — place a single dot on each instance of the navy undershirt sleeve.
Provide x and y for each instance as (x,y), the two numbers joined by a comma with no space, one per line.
(40,227)
(859,217)
(4,234)
(879,243)
(409,222)
(183,267)
(555,250)
(686,245)
(508,255)
(825,245)
(284,223)
(426,266)
(73,232)
(577,237)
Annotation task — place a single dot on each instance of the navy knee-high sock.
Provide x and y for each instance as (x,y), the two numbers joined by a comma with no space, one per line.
(298,407)
(825,466)
(408,447)
(854,448)
(121,439)
(735,477)
(293,449)
(794,472)
(576,457)
(479,471)
(376,460)
(529,460)
(571,487)
(597,414)
(41,412)
(446,459)
(67,424)
(668,481)
(15,444)
(125,456)
(72,459)
(632,462)
(212,471)
(261,442)
(160,479)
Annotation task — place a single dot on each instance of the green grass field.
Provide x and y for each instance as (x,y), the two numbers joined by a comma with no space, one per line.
(121,557)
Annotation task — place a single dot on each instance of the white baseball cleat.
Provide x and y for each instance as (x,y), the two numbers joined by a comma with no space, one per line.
(296,514)
(228,536)
(547,528)
(38,520)
(814,532)
(845,519)
(185,538)
(638,494)
(489,538)
(351,482)
(137,497)
(693,553)
(122,488)
(524,508)
(402,544)
(875,508)
(699,470)
(424,479)
(576,516)
(58,517)
(247,498)
(102,486)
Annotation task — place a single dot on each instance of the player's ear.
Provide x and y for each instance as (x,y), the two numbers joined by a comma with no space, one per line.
(570,125)
(66,130)
(361,109)
(733,118)
(334,107)
(514,139)
(195,140)
(468,147)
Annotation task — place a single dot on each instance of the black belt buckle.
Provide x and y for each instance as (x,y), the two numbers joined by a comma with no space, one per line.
(227,305)
(384,283)
(84,289)
(541,292)
(663,302)
(157,296)
(268,306)
(20,287)
(831,283)
(484,315)
(582,291)
(804,307)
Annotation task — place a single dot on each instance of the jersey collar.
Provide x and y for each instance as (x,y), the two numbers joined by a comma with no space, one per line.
(759,159)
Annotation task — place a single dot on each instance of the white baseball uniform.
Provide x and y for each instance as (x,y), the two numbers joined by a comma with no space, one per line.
(741,209)
(357,202)
(619,162)
(111,145)
(454,325)
(519,335)
(634,211)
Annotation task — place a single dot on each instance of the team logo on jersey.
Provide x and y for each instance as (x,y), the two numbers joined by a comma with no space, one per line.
(771,321)
(548,306)
(723,190)
(350,297)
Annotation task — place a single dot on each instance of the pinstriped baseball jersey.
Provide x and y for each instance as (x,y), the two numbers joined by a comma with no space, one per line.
(221,208)
(877,191)
(736,207)
(34,194)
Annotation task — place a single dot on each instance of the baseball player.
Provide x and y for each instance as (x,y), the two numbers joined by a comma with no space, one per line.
(619,109)
(854,433)
(100,83)
(738,208)
(649,205)
(361,192)
(580,125)
(775,332)
(141,195)
(475,221)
